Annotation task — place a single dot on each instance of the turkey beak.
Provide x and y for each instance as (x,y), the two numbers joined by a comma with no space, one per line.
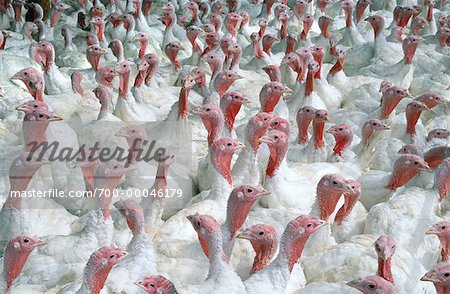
(246,100)
(287,90)
(426,168)
(39,242)
(140,284)
(21,108)
(264,192)
(122,133)
(429,277)
(385,127)
(322,223)
(16,76)
(197,111)
(240,146)
(265,139)
(366,19)
(239,77)
(329,131)
(245,235)
(56,117)
(431,231)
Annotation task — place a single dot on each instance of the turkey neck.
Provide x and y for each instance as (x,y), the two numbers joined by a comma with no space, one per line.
(34,132)
(100,31)
(412,117)
(388,105)
(222,164)
(237,212)
(283,30)
(277,155)
(257,49)
(19,182)
(124,78)
(88,174)
(305,31)
(349,202)
(409,51)
(151,72)
(106,106)
(318,128)
(140,77)
(338,66)
(303,125)
(290,45)
(400,177)
(445,249)
(264,253)
(348,17)
(341,144)
(442,289)
(318,58)
(94,276)
(142,48)
(327,200)
(12,266)
(360,7)
(214,129)
(290,250)
(324,29)
(309,87)
(230,113)
(216,255)
(183,103)
(384,269)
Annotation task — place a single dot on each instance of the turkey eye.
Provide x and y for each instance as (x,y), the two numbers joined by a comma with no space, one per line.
(208,109)
(229,76)
(229,144)
(398,92)
(265,119)
(371,286)
(416,162)
(276,137)
(198,223)
(236,97)
(307,110)
(41,115)
(133,131)
(261,233)
(152,285)
(341,129)
(335,183)
(443,227)
(111,71)
(308,225)
(124,65)
(275,123)
(115,167)
(112,256)
(26,241)
(249,190)
(35,106)
(447,275)
(25,73)
(374,124)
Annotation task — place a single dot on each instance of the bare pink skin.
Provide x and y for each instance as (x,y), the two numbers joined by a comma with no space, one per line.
(409,149)
(263,23)
(321,117)
(370,127)
(273,71)
(168,18)
(35,124)
(339,65)
(192,34)
(213,120)
(105,75)
(293,61)
(390,99)
(438,134)
(212,41)
(348,7)
(405,168)
(142,67)
(77,78)
(443,36)
(239,205)
(308,20)
(17,6)
(377,23)
(299,7)
(405,15)
(44,53)
(96,11)
(3,37)
(209,235)
(413,111)
(157,285)
(418,24)
(313,69)
(81,19)
(123,69)
(435,155)
(146,6)
(186,87)
(153,62)
(33,80)
(128,21)
(193,9)
(322,4)
(283,19)
(278,143)
(133,213)
(216,21)
(236,54)
(270,95)
(296,234)
(245,18)
(215,63)
(438,275)
(98,267)
(290,44)
(142,39)
(93,54)
(329,191)
(171,51)
(442,231)
(267,42)
(361,5)
(305,58)
(16,254)
(257,50)
(88,166)
(318,54)
(21,172)
(343,136)
(231,104)
(92,39)
(372,285)
(135,135)
(350,200)
(231,21)
(256,128)
(56,12)
(385,248)
(333,42)
(225,44)
(280,124)
(224,80)
(304,118)
(442,180)
(409,47)
(264,240)
(324,24)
